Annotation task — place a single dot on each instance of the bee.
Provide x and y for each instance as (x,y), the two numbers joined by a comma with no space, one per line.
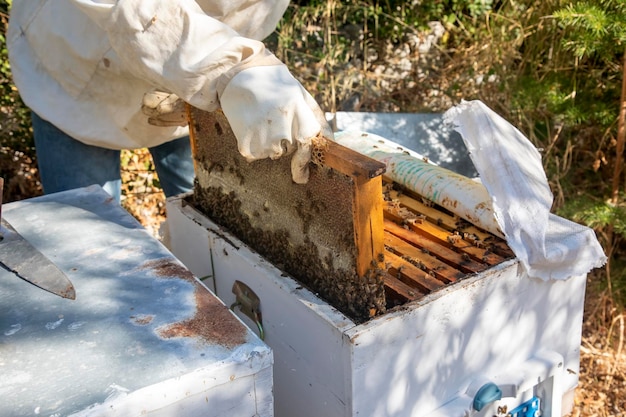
(453,239)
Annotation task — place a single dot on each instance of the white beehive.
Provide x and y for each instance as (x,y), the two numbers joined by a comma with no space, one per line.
(492,343)
(143,338)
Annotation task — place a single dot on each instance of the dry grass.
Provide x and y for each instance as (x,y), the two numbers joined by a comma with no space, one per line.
(602,385)
(141,195)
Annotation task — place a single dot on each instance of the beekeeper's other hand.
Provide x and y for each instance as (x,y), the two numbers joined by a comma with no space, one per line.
(272,115)
(164,109)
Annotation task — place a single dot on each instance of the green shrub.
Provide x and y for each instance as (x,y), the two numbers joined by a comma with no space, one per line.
(17,149)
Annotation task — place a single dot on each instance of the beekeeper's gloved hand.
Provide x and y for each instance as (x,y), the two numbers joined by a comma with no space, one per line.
(164,109)
(272,115)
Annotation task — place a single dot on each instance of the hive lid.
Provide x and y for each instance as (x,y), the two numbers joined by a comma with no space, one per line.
(142,333)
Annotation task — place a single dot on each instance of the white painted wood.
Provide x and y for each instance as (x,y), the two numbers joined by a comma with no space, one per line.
(539,377)
(108,353)
(196,253)
(484,325)
(311,371)
(411,361)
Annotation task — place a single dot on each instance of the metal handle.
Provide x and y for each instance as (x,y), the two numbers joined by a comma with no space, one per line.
(249,304)
(486,394)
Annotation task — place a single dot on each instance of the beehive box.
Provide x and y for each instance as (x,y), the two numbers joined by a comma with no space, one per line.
(461,315)
(142,338)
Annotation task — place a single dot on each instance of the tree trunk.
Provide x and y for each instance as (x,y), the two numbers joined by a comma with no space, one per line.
(621,133)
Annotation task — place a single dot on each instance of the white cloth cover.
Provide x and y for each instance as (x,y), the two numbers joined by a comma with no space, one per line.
(548,246)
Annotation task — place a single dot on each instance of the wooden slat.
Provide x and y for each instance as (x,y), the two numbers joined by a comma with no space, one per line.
(398,290)
(464,263)
(441,270)
(368,223)
(447,221)
(410,274)
(447,238)
(367,200)
(345,160)
(456,241)
(431,213)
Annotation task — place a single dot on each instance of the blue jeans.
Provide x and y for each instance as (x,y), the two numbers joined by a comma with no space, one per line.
(65,163)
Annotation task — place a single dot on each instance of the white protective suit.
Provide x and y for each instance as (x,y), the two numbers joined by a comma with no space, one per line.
(85,65)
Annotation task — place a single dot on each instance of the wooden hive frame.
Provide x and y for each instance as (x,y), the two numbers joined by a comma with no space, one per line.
(328,234)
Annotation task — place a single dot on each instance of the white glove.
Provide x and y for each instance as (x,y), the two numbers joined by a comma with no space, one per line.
(272,115)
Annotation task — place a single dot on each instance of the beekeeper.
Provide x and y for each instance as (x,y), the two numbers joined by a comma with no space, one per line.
(105,75)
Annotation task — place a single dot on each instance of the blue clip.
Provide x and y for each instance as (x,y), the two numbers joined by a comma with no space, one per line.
(486,394)
(529,409)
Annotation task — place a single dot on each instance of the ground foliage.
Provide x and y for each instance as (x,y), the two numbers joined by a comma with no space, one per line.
(552,68)
(17,152)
